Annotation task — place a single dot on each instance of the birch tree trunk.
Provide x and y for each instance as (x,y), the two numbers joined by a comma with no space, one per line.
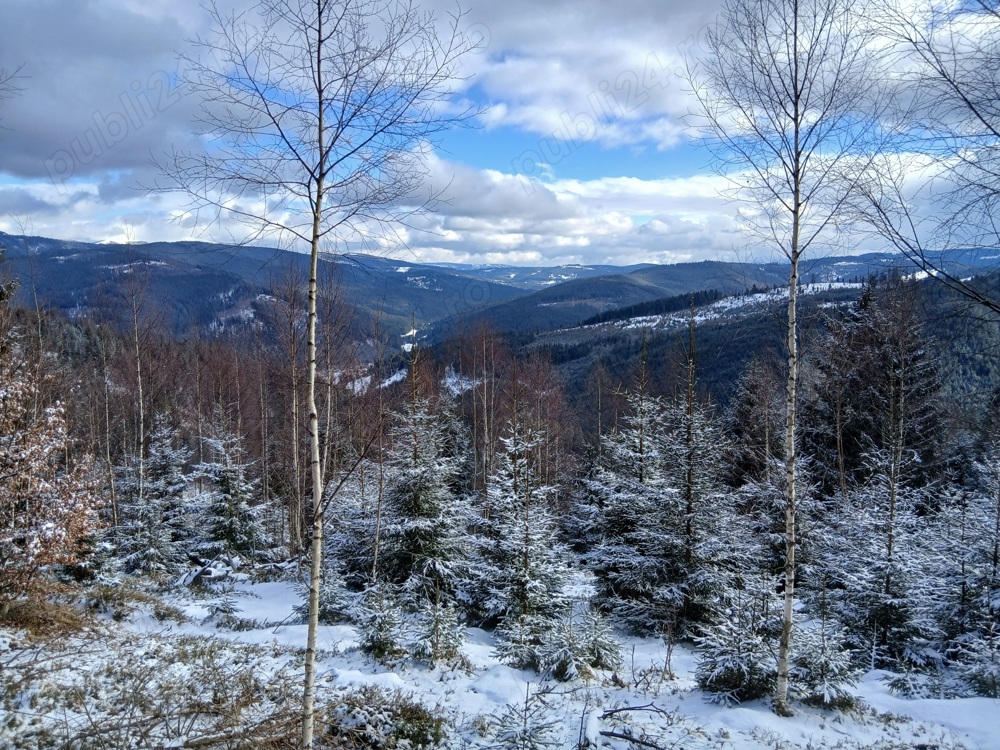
(791,93)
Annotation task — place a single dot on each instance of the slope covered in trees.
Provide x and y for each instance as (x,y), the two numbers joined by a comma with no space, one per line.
(477,485)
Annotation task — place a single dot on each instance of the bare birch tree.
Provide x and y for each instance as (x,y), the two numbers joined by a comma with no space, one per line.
(938,187)
(8,83)
(787,94)
(317,115)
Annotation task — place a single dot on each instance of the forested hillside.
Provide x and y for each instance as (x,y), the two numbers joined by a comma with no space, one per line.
(477,483)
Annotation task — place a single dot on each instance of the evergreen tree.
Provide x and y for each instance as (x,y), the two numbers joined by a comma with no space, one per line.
(737,646)
(824,661)
(956,529)
(823,664)
(526,726)
(156,523)
(230,515)
(425,542)
(166,483)
(354,530)
(736,650)
(694,449)
(639,561)
(380,630)
(658,488)
(967,527)
(144,540)
(879,573)
(874,390)
(521,568)
(578,643)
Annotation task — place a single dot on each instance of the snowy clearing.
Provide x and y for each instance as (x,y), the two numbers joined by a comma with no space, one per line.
(646,703)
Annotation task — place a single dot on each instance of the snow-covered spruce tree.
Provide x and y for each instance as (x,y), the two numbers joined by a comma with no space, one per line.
(526,725)
(823,666)
(639,561)
(956,529)
(737,647)
(425,546)
(142,539)
(165,479)
(354,532)
(694,449)
(380,630)
(156,528)
(967,529)
(46,506)
(230,516)
(578,643)
(824,663)
(521,567)
(425,543)
(877,576)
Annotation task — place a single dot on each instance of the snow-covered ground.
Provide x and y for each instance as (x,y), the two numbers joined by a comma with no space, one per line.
(724,308)
(647,703)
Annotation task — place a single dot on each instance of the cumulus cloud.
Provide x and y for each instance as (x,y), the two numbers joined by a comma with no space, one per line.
(509,218)
(100,88)
(483,216)
(613,71)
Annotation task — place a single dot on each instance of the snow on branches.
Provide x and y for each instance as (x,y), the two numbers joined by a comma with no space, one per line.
(46,504)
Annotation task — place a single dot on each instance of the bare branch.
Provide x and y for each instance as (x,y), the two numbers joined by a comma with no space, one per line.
(939,187)
(9,88)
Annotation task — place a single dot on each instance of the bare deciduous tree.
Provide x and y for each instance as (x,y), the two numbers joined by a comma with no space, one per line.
(788,98)
(8,83)
(938,187)
(317,115)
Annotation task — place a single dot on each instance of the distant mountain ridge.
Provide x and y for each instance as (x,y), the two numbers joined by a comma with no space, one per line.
(569,304)
(215,286)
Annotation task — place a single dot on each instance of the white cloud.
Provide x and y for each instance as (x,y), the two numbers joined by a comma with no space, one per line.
(572,61)
(488,216)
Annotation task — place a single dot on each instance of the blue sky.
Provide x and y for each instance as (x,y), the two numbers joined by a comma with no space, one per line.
(507,148)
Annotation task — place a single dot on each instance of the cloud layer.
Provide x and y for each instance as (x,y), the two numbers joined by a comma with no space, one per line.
(101,96)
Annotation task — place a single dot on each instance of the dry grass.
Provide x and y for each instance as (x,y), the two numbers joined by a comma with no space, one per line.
(46,618)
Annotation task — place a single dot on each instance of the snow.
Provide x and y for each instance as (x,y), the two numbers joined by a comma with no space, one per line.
(725,307)
(500,685)
(395,377)
(674,712)
(457,384)
(360,385)
(975,720)
(420,282)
